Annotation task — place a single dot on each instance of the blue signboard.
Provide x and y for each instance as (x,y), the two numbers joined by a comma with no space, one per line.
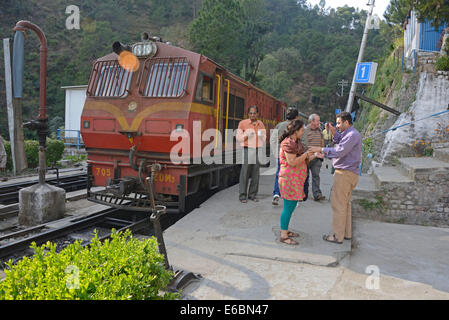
(365,72)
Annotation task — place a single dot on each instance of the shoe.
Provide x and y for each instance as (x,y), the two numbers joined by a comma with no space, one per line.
(254,199)
(243,200)
(326,238)
(288,241)
(275,201)
(320,197)
(292,234)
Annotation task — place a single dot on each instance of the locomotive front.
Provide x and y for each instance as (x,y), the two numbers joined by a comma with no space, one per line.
(135,98)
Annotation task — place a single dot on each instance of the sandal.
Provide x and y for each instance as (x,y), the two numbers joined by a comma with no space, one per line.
(288,241)
(326,238)
(292,234)
(348,238)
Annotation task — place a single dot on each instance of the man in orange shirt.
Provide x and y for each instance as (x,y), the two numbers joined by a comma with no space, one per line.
(251,134)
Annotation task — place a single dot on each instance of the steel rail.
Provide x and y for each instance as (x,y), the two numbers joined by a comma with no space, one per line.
(23,244)
(10,192)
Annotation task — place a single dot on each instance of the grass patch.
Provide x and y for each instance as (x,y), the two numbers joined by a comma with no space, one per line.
(370,205)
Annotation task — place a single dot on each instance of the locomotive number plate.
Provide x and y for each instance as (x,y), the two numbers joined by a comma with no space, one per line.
(102,172)
(167,178)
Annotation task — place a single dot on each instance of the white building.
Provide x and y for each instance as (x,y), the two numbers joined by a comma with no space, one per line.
(75,96)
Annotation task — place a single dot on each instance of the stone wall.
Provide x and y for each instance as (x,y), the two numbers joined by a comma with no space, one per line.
(424,201)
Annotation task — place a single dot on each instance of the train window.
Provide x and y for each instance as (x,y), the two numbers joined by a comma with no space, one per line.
(109,79)
(239,108)
(205,89)
(231,105)
(166,78)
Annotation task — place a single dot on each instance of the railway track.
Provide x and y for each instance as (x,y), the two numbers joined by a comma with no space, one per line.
(15,241)
(10,193)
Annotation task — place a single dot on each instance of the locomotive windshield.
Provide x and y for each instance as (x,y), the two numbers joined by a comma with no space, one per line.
(166,77)
(109,79)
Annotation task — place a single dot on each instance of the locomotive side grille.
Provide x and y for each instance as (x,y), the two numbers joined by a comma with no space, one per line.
(165,77)
(109,79)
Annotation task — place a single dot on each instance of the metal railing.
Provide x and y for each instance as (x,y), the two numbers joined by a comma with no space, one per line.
(76,141)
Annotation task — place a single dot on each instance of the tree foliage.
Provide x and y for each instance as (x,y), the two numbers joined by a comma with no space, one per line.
(397,11)
(216,33)
(310,47)
(435,10)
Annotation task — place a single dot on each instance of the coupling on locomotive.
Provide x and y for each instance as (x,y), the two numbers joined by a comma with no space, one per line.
(150,103)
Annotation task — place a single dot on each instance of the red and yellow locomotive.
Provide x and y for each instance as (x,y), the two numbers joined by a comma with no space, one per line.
(136,101)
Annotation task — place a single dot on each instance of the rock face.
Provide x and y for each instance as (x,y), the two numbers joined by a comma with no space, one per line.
(432,98)
(41,203)
(415,192)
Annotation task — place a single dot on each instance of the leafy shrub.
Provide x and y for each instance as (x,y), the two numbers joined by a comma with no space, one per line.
(9,165)
(442,63)
(32,153)
(76,158)
(55,149)
(422,148)
(117,269)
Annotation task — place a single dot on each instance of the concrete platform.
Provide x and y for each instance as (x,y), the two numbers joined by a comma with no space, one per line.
(235,248)
(415,253)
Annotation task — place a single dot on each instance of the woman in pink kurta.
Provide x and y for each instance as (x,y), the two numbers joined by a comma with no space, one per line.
(292,175)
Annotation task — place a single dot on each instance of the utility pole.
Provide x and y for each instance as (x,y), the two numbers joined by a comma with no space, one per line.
(360,57)
(16,137)
(343,83)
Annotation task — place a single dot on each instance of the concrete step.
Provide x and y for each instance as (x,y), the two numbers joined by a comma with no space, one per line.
(441,154)
(366,188)
(423,165)
(388,175)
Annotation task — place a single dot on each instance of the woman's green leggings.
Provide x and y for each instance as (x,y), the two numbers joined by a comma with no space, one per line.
(289,206)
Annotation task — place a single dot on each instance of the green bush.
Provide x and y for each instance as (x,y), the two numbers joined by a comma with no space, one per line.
(9,165)
(123,268)
(32,153)
(442,63)
(55,149)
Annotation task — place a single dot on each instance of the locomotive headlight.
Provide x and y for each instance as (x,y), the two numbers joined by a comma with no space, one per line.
(144,49)
(147,48)
(137,50)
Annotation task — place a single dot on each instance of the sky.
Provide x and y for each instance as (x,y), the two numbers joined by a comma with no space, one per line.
(379,5)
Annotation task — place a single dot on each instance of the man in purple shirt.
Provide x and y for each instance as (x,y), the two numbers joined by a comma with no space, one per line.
(346,158)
